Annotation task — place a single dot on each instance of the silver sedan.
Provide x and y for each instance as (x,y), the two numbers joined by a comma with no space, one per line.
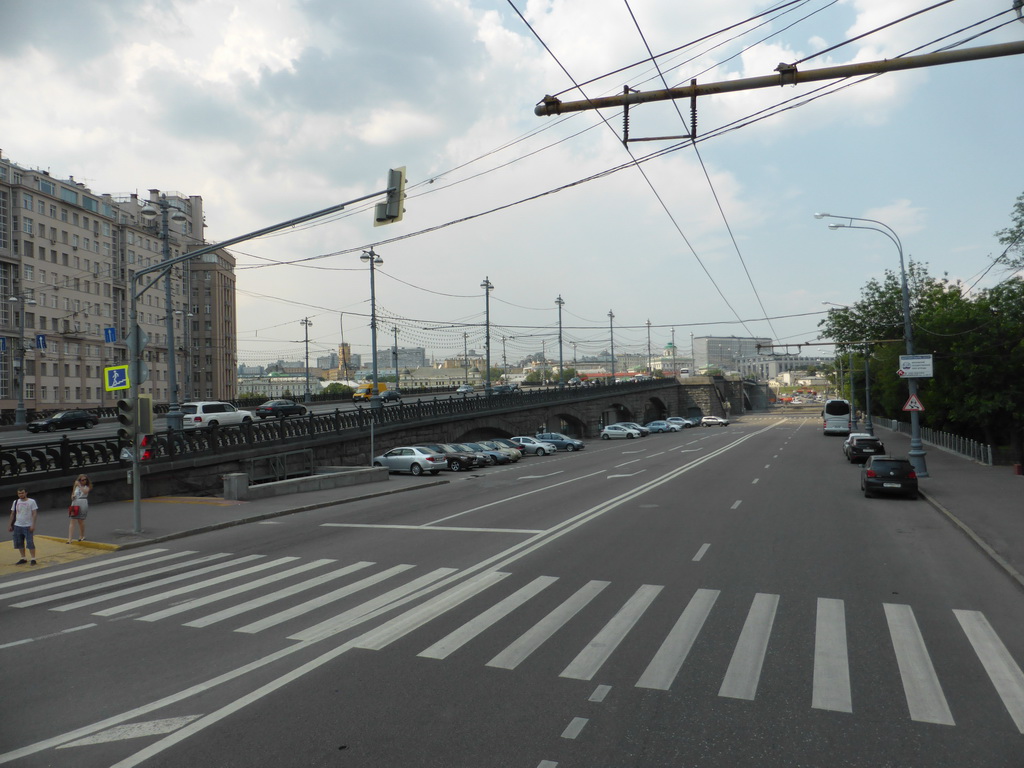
(412,459)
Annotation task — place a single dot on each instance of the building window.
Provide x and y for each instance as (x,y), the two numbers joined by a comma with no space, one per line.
(68,196)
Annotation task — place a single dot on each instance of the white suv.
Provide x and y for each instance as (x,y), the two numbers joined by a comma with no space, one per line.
(212,414)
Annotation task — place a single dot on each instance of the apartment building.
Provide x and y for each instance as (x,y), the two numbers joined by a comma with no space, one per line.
(68,259)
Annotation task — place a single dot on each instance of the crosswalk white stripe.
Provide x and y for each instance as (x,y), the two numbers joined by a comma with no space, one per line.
(598,650)
(744,672)
(156,584)
(322,600)
(1006,676)
(662,671)
(360,613)
(91,565)
(224,594)
(190,588)
(122,580)
(831,659)
(925,698)
(455,640)
(518,651)
(281,594)
(405,623)
(116,569)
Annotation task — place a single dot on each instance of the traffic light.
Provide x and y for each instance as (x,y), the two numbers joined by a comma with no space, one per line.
(144,415)
(147,447)
(392,209)
(127,416)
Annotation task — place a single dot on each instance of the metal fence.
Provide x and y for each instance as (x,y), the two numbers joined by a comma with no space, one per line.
(106,453)
(961,446)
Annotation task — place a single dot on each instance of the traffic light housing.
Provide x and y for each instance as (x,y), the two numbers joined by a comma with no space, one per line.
(144,415)
(147,447)
(393,207)
(127,416)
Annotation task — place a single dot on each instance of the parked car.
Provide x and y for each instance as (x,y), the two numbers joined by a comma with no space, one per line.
(280,409)
(614,431)
(391,396)
(534,446)
(504,389)
(888,475)
(562,442)
(662,426)
(863,448)
(849,439)
(505,442)
(644,431)
(714,421)
(414,459)
(64,420)
(464,389)
(682,422)
(514,454)
(493,455)
(457,460)
(575,381)
(212,414)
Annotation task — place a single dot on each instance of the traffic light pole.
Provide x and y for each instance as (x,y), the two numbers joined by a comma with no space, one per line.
(163,268)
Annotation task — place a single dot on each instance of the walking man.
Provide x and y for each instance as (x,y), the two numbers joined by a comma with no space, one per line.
(23,524)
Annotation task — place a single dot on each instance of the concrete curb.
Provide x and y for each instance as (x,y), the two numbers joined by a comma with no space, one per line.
(88,544)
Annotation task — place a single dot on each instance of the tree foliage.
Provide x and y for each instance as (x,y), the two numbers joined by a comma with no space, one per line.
(1013,237)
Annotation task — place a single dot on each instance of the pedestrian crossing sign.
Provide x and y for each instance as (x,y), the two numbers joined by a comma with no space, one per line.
(116,378)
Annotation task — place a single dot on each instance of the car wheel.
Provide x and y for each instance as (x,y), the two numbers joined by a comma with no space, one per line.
(629,436)
(50,428)
(377,464)
(246,420)
(434,471)
(303,412)
(606,437)
(453,465)
(416,469)
(570,447)
(88,425)
(213,423)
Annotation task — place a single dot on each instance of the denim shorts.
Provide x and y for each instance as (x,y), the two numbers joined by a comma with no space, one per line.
(23,538)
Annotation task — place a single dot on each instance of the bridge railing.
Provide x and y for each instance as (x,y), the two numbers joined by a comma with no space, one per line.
(17,462)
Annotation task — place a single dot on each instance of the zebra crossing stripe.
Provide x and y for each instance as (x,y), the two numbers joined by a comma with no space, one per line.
(455,640)
(1002,670)
(598,650)
(831,659)
(405,623)
(925,698)
(92,565)
(198,602)
(280,594)
(77,580)
(662,671)
(518,651)
(744,672)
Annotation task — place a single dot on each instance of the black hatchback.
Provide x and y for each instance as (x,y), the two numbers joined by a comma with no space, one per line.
(64,420)
(888,475)
(861,449)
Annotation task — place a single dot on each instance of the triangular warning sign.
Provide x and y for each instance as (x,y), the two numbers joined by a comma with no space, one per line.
(913,404)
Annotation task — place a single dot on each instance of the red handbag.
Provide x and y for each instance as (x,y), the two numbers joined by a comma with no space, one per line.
(74,510)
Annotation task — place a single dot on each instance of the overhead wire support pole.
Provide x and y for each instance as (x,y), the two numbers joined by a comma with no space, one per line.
(787,75)
(134,347)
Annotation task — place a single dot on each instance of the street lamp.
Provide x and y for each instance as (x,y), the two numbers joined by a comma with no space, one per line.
(373,260)
(488,287)
(19,366)
(561,367)
(305,323)
(649,370)
(916,453)
(394,330)
(148,213)
(611,331)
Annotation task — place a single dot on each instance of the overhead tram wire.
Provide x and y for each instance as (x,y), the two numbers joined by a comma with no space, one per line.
(707,177)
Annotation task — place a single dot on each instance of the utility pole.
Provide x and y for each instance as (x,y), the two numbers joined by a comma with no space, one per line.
(561,367)
(306,322)
(465,353)
(611,330)
(395,331)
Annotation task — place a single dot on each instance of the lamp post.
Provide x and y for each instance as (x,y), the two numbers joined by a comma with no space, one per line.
(916,453)
(675,370)
(19,365)
(868,425)
(650,371)
(561,367)
(305,323)
(373,260)
(465,354)
(148,213)
(488,287)
(611,332)
(394,330)
(575,366)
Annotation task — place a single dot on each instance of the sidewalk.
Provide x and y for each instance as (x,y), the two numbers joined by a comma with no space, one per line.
(986,503)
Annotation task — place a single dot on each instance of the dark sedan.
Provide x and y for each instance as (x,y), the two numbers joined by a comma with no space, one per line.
(457,460)
(64,420)
(860,449)
(889,476)
(280,409)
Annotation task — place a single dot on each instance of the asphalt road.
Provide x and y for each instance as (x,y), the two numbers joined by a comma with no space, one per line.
(716,597)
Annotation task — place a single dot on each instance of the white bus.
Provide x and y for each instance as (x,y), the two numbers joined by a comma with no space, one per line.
(836,417)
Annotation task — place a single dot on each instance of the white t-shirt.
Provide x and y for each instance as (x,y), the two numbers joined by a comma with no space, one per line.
(23,509)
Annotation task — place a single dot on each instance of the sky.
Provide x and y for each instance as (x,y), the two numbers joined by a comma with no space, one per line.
(273,109)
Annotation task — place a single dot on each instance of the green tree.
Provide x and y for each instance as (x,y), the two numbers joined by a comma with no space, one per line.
(337,389)
(1013,237)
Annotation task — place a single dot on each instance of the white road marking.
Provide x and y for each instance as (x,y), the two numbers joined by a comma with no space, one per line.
(701,552)
(109,563)
(134,731)
(744,672)
(925,698)
(831,661)
(736,504)
(631,474)
(631,461)
(1006,676)
(755,481)
(44,637)
(600,693)
(431,527)
(574,728)
(662,671)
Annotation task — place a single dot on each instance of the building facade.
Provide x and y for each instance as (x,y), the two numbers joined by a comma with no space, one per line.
(68,259)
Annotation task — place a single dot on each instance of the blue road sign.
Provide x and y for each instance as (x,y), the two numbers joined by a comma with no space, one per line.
(110,335)
(3,343)
(115,378)
(40,341)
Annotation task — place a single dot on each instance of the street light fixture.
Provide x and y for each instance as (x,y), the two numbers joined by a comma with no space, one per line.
(561,367)
(373,260)
(488,287)
(175,417)
(916,453)
(305,323)
(19,412)
(611,331)
(649,369)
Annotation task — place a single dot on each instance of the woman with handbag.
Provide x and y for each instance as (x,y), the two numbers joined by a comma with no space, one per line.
(79,507)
